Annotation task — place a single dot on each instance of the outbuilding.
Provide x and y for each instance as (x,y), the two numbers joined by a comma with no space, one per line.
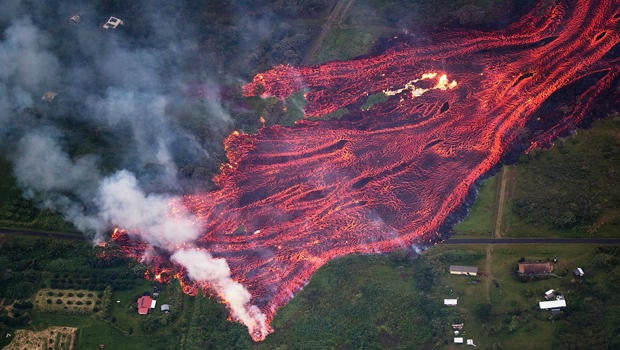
(463,270)
(552,304)
(165,308)
(450,302)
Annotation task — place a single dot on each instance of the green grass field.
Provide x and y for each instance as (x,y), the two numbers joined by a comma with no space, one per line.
(480,221)
(570,190)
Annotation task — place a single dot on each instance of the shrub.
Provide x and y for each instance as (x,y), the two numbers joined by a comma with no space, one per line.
(58,301)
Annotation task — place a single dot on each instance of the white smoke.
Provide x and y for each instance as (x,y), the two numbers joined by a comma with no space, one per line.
(151,217)
(109,149)
(202,267)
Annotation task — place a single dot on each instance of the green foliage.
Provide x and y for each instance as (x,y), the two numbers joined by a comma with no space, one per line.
(358,302)
(480,220)
(483,312)
(574,183)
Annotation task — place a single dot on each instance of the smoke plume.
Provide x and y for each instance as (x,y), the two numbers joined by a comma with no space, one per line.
(102,127)
(203,268)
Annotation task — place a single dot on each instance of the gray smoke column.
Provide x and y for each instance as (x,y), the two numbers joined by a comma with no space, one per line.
(109,148)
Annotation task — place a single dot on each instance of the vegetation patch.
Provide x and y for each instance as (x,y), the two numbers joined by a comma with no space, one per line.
(79,301)
(53,338)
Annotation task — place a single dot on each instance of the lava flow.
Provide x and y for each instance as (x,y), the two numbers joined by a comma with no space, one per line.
(293,198)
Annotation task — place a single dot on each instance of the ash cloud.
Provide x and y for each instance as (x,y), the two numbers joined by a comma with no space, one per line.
(136,118)
(119,106)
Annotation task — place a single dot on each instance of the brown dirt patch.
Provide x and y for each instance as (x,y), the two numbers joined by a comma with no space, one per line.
(54,338)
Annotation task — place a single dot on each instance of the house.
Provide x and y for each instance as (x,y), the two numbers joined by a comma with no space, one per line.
(49,96)
(552,304)
(165,308)
(535,268)
(113,22)
(578,272)
(458,325)
(463,270)
(450,302)
(458,340)
(144,304)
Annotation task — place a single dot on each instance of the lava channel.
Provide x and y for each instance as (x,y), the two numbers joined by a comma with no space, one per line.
(292,198)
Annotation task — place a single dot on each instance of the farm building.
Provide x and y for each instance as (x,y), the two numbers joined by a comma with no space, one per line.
(463,270)
(552,304)
(535,268)
(144,304)
(450,302)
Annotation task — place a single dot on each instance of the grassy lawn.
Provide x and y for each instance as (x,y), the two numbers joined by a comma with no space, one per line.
(480,221)
(514,321)
(346,43)
(570,190)
(93,331)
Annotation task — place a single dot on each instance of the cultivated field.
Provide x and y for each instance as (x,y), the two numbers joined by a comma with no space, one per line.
(53,338)
(67,300)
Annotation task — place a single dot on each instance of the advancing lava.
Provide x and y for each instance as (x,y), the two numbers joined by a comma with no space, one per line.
(291,199)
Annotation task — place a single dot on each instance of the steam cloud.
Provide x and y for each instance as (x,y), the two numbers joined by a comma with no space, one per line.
(108,150)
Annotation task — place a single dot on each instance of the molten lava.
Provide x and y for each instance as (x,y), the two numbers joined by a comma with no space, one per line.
(293,198)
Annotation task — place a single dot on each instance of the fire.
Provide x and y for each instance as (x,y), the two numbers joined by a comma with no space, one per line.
(291,199)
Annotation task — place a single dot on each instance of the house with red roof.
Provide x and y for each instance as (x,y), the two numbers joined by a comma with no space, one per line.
(144,304)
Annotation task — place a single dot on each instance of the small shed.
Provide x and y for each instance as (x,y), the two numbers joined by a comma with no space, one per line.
(470,342)
(552,304)
(458,340)
(578,272)
(49,96)
(165,308)
(550,294)
(450,302)
(535,268)
(463,270)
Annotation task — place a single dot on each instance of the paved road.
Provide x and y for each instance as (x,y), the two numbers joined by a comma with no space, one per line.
(532,241)
(60,235)
(449,241)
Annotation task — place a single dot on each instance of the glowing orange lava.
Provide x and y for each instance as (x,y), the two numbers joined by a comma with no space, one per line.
(293,198)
